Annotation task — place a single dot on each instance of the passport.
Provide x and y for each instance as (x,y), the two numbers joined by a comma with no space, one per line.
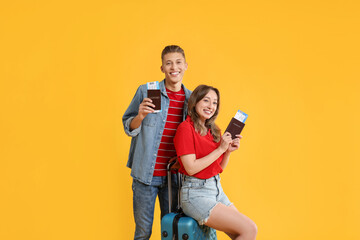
(237,124)
(153,92)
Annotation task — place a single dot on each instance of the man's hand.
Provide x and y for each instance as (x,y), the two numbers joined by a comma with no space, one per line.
(176,166)
(145,108)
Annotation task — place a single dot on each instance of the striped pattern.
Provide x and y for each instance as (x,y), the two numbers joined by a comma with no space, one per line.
(173,119)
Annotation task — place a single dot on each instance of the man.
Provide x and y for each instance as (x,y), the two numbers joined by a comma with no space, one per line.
(152,139)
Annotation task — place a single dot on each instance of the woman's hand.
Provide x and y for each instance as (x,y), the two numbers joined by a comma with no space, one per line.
(145,108)
(225,142)
(235,144)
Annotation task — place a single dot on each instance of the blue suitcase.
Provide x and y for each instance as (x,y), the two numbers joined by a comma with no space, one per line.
(178,226)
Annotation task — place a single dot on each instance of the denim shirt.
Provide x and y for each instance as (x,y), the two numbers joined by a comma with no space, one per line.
(146,138)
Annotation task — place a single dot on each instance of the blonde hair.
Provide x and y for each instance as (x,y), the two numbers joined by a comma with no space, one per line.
(196,96)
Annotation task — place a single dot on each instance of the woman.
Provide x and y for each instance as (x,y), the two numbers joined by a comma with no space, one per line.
(203,154)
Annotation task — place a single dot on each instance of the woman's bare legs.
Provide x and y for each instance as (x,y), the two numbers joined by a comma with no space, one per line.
(235,224)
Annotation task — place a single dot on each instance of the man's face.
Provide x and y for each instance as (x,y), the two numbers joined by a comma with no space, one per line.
(174,66)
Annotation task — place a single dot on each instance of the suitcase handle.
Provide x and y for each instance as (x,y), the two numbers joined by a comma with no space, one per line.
(168,168)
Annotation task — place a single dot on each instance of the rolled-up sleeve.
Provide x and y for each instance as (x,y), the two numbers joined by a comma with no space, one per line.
(133,132)
(131,112)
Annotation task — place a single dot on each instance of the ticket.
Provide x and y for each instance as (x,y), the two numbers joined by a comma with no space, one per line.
(241,116)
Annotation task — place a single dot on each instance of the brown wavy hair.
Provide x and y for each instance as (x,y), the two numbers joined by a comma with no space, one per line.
(195,97)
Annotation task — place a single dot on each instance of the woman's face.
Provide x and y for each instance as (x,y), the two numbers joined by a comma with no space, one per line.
(207,106)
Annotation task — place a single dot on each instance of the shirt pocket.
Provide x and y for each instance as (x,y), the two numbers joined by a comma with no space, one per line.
(150,119)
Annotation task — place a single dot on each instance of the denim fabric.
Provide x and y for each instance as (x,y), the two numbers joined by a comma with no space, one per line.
(200,196)
(146,138)
(144,197)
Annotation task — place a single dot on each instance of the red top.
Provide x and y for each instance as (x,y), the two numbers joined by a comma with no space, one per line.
(174,118)
(188,141)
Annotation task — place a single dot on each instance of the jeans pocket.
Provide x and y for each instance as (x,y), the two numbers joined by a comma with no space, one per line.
(184,194)
(197,185)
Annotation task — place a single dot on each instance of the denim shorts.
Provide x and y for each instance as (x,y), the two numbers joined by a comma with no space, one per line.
(200,196)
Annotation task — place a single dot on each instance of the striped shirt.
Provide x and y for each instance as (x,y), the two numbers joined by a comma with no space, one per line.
(174,118)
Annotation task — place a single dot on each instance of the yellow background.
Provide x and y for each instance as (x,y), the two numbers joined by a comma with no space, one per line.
(69,69)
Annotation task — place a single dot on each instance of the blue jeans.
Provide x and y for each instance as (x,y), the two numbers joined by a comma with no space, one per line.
(144,197)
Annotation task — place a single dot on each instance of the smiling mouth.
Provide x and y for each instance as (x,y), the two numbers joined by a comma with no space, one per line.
(175,73)
(208,112)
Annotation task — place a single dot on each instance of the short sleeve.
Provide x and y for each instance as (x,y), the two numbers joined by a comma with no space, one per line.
(184,139)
